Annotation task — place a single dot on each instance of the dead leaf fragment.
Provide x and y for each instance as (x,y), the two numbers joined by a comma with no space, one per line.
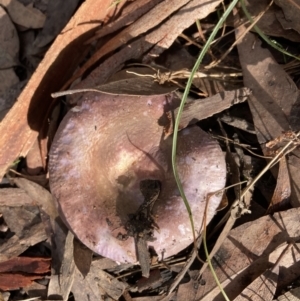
(39,195)
(8,97)
(82,257)
(274,102)
(264,287)
(273,92)
(96,285)
(19,219)
(29,265)
(15,281)
(8,78)
(252,249)
(143,25)
(269,23)
(183,15)
(28,17)
(37,290)
(14,197)
(34,162)
(9,42)
(15,245)
(182,19)
(58,14)
(292,295)
(291,11)
(129,14)
(33,103)
(199,109)
(282,193)
(188,291)
(63,270)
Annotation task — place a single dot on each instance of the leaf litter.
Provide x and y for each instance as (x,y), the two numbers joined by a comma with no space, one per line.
(258,259)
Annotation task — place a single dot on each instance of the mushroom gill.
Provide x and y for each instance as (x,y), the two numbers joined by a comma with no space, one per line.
(105,147)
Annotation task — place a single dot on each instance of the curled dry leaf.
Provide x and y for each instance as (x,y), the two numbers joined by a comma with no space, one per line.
(102,151)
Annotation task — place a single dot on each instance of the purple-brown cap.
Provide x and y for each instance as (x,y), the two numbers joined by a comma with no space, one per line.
(105,147)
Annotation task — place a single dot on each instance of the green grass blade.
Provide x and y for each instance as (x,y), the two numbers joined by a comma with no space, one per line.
(183,101)
(272,43)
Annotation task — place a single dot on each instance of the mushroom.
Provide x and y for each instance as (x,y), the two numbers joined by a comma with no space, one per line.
(105,147)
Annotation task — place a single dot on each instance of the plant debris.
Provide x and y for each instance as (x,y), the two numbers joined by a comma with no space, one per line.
(245,97)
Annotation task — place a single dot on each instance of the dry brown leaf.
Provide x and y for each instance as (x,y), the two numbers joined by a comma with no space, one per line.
(82,257)
(176,58)
(238,123)
(34,102)
(37,290)
(9,42)
(42,197)
(175,25)
(250,250)
(14,246)
(15,197)
(96,285)
(19,219)
(164,36)
(8,78)
(129,14)
(8,97)
(170,297)
(103,263)
(86,289)
(30,265)
(58,15)
(30,53)
(269,23)
(290,17)
(274,102)
(188,291)
(292,295)
(34,162)
(148,21)
(155,279)
(196,110)
(62,278)
(264,287)
(273,92)
(15,281)
(135,86)
(282,191)
(28,17)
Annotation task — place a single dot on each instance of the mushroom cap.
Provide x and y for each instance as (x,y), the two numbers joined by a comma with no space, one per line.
(105,147)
